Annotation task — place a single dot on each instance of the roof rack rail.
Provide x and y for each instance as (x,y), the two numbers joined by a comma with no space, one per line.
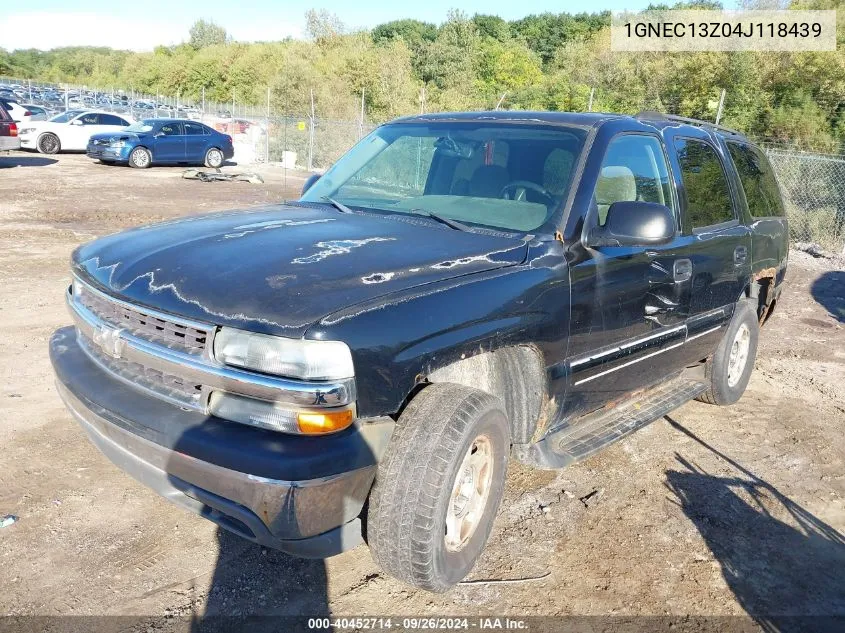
(651,114)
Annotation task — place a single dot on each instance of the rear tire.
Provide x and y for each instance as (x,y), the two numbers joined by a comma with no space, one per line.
(213,158)
(729,368)
(140,158)
(439,486)
(48,143)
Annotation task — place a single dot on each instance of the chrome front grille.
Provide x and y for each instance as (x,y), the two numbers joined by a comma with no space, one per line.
(143,324)
(158,383)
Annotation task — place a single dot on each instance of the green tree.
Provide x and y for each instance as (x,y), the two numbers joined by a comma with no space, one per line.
(205,33)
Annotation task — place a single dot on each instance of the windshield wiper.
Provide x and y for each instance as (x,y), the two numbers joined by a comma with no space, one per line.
(338,205)
(458,226)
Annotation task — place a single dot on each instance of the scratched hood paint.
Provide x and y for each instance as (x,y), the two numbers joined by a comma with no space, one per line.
(281,269)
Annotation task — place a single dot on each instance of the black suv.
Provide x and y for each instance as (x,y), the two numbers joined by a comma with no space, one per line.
(457,291)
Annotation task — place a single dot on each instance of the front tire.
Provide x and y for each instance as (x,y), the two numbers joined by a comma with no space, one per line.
(213,158)
(439,486)
(140,158)
(49,143)
(729,369)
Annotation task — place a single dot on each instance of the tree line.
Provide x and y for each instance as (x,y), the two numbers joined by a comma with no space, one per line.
(552,61)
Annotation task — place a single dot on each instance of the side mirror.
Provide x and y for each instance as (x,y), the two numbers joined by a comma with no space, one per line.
(634,223)
(309,182)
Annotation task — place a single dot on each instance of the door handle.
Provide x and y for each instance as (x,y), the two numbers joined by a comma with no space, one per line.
(682,270)
(740,255)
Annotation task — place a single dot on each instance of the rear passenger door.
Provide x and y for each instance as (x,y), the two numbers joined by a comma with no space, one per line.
(719,243)
(196,141)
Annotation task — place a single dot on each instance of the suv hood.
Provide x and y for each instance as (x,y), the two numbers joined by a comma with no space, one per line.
(281,269)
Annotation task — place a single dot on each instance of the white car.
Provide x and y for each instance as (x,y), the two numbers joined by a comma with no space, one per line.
(18,112)
(70,130)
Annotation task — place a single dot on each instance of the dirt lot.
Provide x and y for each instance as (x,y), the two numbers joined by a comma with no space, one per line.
(712,511)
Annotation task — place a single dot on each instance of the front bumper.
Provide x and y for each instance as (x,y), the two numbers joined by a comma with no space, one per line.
(302,495)
(107,153)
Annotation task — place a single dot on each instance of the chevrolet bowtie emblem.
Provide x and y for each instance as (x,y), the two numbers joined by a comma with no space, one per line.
(108,338)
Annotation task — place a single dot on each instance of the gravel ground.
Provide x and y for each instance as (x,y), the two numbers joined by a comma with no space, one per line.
(709,511)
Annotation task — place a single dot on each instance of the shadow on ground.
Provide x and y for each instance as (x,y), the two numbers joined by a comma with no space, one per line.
(254,587)
(787,576)
(829,291)
(25,161)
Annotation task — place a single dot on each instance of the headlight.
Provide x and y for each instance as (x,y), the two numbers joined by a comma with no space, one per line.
(293,358)
(117,144)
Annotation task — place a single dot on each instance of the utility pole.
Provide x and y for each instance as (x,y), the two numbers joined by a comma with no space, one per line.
(721,105)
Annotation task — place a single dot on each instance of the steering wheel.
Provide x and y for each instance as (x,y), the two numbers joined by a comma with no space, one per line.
(519,188)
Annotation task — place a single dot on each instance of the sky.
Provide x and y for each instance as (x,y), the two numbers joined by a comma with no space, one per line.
(143,25)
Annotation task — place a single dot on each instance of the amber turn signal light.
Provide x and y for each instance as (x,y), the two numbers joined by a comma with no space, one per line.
(328,422)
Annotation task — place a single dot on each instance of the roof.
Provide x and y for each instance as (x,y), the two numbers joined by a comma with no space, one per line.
(581,119)
(587,119)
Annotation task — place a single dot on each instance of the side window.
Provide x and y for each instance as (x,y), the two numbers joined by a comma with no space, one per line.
(170,129)
(707,193)
(758,180)
(634,168)
(110,119)
(195,129)
(89,119)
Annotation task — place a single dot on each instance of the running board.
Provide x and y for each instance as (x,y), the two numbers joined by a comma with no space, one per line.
(588,435)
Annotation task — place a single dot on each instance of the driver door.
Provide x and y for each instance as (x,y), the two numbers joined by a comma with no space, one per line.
(629,303)
(169,146)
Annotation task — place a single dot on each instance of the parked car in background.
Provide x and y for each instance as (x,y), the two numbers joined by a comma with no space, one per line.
(70,130)
(9,138)
(18,113)
(162,141)
(37,113)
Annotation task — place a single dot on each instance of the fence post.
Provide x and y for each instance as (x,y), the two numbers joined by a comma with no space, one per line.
(361,121)
(721,105)
(267,129)
(590,102)
(311,135)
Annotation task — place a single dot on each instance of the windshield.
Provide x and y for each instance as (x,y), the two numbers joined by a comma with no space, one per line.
(64,117)
(140,126)
(506,176)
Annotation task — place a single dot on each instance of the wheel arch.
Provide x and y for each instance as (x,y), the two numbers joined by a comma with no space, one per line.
(515,374)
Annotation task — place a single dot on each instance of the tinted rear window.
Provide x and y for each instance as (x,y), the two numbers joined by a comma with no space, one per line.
(758,181)
(706,188)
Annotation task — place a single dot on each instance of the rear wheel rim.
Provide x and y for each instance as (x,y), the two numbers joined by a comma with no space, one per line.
(470,492)
(140,158)
(215,158)
(738,358)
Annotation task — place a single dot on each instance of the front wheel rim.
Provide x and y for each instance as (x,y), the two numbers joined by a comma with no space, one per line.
(470,492)
(739,354)
(215,158)
(140,158)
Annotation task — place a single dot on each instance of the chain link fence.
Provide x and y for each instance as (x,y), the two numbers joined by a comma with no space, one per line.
(813,187)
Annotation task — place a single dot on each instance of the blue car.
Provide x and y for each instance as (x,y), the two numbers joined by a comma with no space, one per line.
(162,142)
